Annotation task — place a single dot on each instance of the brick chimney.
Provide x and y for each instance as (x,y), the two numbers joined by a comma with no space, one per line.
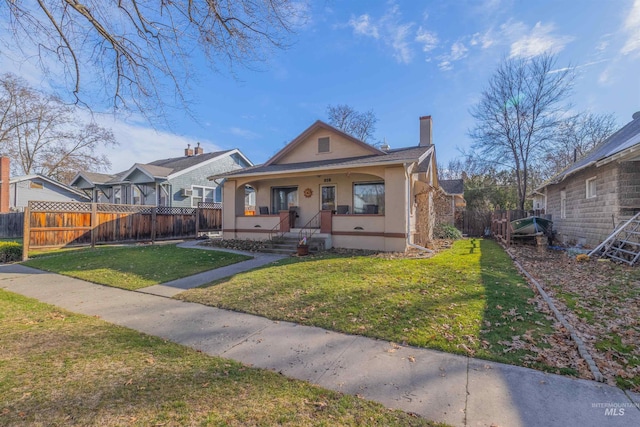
(425,131)
(199,150)
(4,184)
(188,151)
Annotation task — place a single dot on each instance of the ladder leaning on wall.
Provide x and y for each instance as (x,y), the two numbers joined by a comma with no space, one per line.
(623,244)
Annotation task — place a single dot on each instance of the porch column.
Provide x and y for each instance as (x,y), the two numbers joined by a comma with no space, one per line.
(326,221)
(229,203)
(284,221)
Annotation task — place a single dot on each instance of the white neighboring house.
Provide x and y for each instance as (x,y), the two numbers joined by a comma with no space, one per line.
(23,189)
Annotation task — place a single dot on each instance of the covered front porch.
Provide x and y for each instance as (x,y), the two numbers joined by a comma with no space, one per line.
(363,209)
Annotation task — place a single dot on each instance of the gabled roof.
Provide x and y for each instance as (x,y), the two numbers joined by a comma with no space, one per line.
(396,156)
(624,140)
(177,164)
(50,181)
(158,169)
(152,171)
(452,186)
(319,124)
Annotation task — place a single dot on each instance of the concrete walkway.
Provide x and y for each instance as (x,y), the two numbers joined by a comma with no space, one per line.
(438,386)
(174,287)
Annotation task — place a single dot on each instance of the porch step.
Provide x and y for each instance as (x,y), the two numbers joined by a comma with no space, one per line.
(289,245)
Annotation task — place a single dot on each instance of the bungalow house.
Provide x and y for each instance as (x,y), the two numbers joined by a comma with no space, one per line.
(16,192)
(593,195)
(174,182)
(347,192)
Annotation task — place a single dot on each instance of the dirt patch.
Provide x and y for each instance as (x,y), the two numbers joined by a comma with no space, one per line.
(601,300)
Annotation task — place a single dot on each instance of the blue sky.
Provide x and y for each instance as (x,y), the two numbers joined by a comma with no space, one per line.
(403,60)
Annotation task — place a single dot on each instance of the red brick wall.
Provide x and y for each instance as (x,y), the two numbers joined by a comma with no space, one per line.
(4,184)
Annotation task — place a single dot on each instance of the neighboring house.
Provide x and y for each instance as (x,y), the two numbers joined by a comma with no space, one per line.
(593,195)
(23,189)
(452,200)
(175,182)
(356,195)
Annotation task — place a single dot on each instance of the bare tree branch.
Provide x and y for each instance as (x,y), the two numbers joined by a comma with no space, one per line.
(126,53)
(359,125)
(518,115)
(43,135)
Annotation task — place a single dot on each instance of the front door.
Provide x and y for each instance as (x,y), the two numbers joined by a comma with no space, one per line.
(328,197)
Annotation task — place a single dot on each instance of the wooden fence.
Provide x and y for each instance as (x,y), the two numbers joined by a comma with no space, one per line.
(501,223)
(473,222)
(11,224)
(63,224)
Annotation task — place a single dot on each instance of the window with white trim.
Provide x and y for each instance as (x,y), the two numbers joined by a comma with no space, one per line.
(202,194)
(117,192)
(591,187)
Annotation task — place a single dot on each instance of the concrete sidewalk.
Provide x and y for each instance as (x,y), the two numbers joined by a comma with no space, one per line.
(437,386)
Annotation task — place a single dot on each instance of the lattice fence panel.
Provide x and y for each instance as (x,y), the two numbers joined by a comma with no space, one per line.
(210,205)
(163,210)
(117,208)
(39,206)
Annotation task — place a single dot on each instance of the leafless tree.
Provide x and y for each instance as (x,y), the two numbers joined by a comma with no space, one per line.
(577,136)
(519,113)
(356,124)
(130,51)
(40,134)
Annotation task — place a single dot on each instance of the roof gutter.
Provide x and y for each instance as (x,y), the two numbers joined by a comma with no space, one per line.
(407,184)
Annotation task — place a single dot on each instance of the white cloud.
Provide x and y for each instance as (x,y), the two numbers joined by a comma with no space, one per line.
(428,40)
(485,40)
(458,52)
(399,34)
(243,133)
(140,144)
(362,25)
(537,41)
(389,29)
(632,28)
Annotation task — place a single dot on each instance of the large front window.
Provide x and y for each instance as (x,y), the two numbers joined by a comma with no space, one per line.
(283,198)
(368,198)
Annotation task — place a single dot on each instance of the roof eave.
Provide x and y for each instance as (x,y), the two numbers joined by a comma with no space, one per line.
(314,169)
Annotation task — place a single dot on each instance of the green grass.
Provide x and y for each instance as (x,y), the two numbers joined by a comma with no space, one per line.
(60,368)
(467,300)
(11,239)
(134,267)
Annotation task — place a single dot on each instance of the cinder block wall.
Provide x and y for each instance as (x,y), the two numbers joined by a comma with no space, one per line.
(588,221)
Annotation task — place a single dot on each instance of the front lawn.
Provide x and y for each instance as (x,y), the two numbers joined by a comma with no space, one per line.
(468,299)
(134,267)
(60,368)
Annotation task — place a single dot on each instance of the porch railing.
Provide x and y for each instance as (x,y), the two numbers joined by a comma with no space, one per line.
(276,232)
(310,228)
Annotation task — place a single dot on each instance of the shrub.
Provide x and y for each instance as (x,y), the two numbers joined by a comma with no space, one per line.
(446,231)
(10,251)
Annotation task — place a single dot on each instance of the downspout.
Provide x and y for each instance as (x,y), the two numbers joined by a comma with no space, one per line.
(407,184)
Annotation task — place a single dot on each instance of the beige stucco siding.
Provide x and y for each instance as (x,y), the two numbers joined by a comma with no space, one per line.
(340,148)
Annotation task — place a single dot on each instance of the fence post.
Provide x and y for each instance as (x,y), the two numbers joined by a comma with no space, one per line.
(26,233)
(197,220)
(94,219)
(154,213)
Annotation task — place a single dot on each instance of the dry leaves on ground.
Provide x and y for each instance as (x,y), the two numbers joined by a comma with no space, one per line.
(601,300)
